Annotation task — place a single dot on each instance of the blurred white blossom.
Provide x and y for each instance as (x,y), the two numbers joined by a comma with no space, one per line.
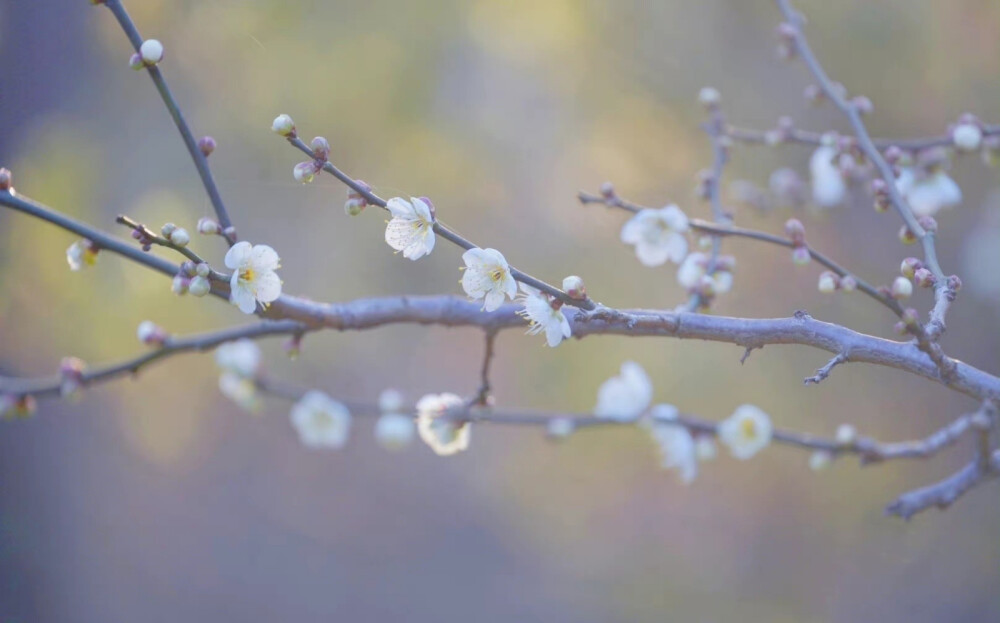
(658,235)
(444,436)
(626,396)
(321,421)
(746,432)
(241,357)
(928,193)
(828,186)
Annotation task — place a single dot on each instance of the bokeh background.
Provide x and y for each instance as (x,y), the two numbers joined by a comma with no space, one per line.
(157,500)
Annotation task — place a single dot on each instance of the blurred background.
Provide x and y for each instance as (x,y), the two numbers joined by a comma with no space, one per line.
(158,500)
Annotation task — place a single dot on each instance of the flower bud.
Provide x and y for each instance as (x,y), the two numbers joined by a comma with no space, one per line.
(559,428)
(207,226)
(910,266)
(354,207)
(179,285)
(207,145)
(71,370)
(967,137)
(828,282)
(390,401)
(954,283)
(924,278)
(189,268)
(135,62)
(199,286)
(910,318)
(795,231)
(180,237)
(284,126)
(151,51)
(320,148)
(820,460)
(863,105)
(709,97)
(902,288)
(293,346)
(801,256)
(305,172)
(149,333)
(848,283)
(17,407)
(607,190)
(928,223)
(892,154)
(906,236)
(5,180)
(846,434)
(165,231)
(574,287)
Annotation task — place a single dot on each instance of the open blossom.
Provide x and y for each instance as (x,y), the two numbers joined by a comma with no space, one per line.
(487,276)
(444,436)
(694,269)
(746,432)
(321,421)
(239,389)
(658,235)
(828,186)
(626,396)
(241,358)
(544,314)
(254,278)
(928,193)
(411,229)
(677,446)
(81,254)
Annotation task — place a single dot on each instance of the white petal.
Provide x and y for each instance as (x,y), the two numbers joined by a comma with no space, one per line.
(827,182)
(475,283)
(675,218)
(268,286)
(264,258)
(401,208)
(243,298)
(238,255)
(421,209)
(652,254)
(476,257)
(633,229)
(494,299)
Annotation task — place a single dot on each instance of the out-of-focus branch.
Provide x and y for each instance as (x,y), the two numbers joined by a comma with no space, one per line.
(926,340)
(50,386)
(439,228)
(944,493)
(147,235)
(814,139)
(200,161)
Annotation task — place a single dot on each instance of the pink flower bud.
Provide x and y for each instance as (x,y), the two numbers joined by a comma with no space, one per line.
(924,278)
(207,145)
(795,231)
(574,287)
(906,236)
(5,180)
(305,172)
(801,256)
(321,148)
(909,267)
(848,283)
(828,282)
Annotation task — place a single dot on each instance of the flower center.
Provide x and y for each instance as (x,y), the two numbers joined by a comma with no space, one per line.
(246,274)
(496,275)
(749,428)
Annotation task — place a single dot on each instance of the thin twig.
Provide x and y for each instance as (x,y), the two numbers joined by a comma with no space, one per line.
(804,137)
(824,372)
(440,229)
(200,161)
(944,493)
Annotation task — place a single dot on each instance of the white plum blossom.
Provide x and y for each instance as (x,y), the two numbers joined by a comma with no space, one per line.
(444,436)
(394,429)
(411,229)
(828,186)
(283,125)
(487,276)
(928,193)
(658,235)
(626,396)
(241,358)
(239,389)
(81,254)
(693,271)
(254,279)
(746,432)
(544,314)
(321,421)
(677,449)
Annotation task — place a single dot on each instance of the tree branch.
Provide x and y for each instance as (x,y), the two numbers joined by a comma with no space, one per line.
(200,161)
